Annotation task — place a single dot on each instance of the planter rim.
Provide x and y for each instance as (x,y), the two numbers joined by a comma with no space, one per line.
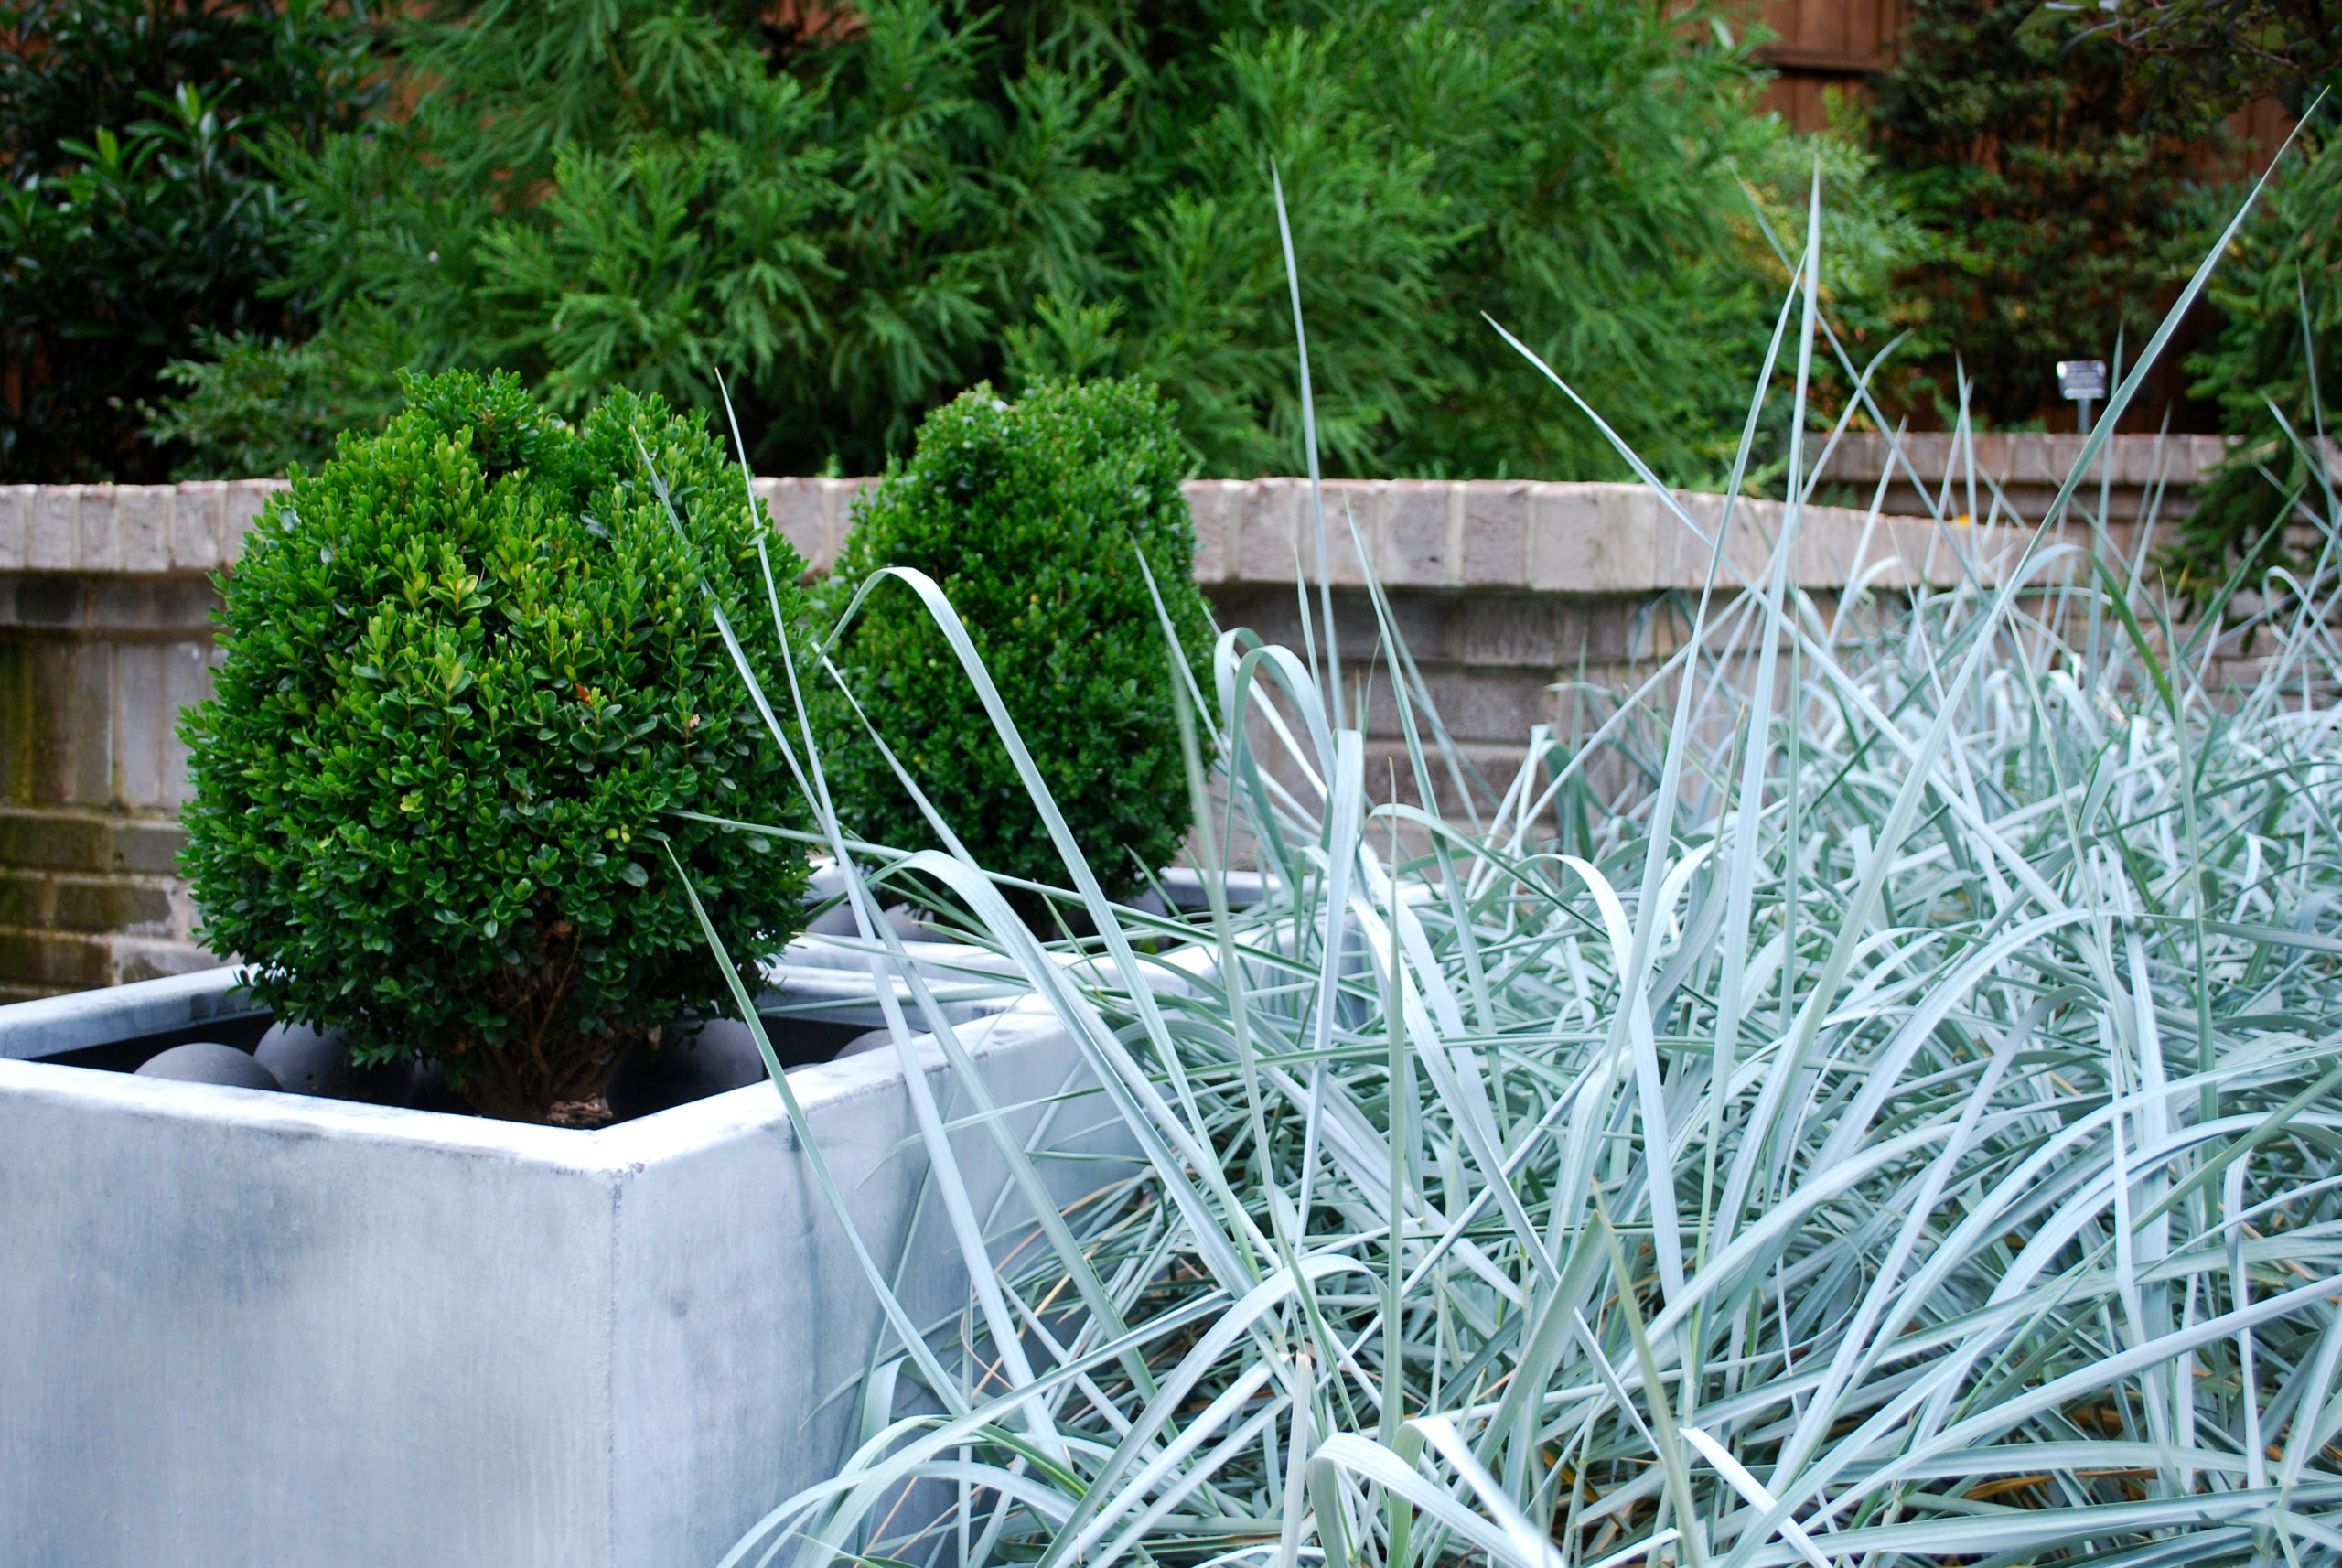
(828,978)
(816,971)
(627,1147)
(48,1024)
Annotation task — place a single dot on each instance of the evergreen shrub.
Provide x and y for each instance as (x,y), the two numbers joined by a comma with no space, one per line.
(142,220)
(856,212)
(470,675)
(1032,516)
(2277,363)
(2063,201)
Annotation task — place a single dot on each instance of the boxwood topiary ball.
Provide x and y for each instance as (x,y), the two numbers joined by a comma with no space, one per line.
(470,679)
(1032,517)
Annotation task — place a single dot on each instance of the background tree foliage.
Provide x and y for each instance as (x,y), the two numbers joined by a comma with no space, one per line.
(2064,195)
(854,214)
(2279,297)
(855,224)
(2229,50)
(2274,369)
(138,218)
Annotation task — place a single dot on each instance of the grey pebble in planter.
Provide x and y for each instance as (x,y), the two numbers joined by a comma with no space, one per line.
(240,1327)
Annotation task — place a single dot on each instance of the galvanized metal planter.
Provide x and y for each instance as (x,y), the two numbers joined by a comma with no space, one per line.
(241,1327)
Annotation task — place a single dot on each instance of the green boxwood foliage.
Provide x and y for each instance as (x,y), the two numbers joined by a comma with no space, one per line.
(470,676)
(1031,515)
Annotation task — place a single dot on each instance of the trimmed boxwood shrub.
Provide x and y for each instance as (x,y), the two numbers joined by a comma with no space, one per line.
(1029,515)
(470,675)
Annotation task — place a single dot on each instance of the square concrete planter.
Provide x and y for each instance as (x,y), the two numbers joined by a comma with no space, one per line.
(240,1328)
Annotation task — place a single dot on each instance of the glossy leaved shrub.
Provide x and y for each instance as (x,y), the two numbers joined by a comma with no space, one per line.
(1032,516)
(471,679)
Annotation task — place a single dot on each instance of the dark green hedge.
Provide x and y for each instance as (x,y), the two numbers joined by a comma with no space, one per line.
(2280,345)
(142,222)
(855,217)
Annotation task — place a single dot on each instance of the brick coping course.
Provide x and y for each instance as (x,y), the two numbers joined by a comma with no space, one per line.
(1539,537)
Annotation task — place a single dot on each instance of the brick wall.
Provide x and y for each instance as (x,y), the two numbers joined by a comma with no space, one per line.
(1502,590)
(105,599)
(2131,471)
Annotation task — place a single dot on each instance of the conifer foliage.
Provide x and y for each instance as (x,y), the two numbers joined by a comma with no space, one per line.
(2274,370)
(140,222)
(2064,198)
(856,216)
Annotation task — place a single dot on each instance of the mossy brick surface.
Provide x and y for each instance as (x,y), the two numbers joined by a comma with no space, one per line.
(1418,543)
(56,960)
(44,602)
(36,719)
(167,603)
(112,904)
(64,841)
(24,898)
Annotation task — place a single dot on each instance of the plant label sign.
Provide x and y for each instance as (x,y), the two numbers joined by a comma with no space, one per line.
(2081,379)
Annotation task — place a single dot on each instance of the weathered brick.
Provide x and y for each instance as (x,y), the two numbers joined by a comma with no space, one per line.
(187,680)
(1212,506)
(1351,520)
(50,841)
(1590,539)
(112,904)
(15,524)
(88,842)
(793,508)
(1685,554)
(140,722)
(1495,533)
(148,958)
(55,960)
(239,510)
(142,525)
(150,844)
(139,602)
(1270,530)
(2027,465)
(1836,544)
(1538,632)
(1919,555)
(23,897)
(88,726)
(1417,546)
(20,722)
(33,752)
(100,549)
(838,500)
(48,602)
(195,524)
(1494,705)
(54,542)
